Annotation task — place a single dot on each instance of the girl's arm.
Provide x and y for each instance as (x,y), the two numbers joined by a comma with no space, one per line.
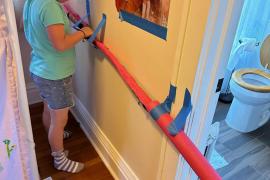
(62,41)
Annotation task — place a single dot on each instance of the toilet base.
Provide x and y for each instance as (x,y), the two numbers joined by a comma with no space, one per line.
(245,117)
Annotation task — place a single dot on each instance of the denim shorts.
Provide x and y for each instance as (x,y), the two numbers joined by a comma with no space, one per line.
(57,94)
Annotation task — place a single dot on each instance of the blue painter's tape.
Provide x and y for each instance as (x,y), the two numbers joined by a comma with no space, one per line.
(148,26)
(157,112)
(97,30)
(170,98)
(88,7)
(78,24)
(164,107)
(179,122)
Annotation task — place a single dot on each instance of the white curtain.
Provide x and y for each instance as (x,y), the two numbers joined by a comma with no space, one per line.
(17,155)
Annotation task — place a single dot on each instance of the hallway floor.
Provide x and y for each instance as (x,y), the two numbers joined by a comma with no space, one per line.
(248,154)
(79,148)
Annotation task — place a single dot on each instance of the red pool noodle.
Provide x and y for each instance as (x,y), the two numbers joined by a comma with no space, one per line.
(183,144)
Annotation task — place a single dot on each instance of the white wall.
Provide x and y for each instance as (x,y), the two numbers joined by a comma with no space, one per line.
(25,48)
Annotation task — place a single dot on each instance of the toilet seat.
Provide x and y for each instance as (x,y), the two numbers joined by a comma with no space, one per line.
(238,78)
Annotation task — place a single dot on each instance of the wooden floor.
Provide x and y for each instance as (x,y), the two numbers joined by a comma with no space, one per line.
(79,148)
(248,154)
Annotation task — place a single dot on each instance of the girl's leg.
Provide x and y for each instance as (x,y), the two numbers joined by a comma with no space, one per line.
(46,117)
(59,120)
(146,7)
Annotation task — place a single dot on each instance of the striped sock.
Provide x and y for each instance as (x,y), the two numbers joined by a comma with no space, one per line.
(66,152)
(67,134)
(61,162)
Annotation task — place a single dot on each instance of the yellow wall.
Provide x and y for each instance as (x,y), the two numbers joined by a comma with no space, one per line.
(150,60)
(109,101)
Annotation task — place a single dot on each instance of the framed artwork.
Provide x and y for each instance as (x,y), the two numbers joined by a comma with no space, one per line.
(149,15)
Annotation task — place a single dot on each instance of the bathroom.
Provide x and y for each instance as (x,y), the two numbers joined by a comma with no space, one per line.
(241,149)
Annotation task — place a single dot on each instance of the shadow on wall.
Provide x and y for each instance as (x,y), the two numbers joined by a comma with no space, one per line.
(24,46)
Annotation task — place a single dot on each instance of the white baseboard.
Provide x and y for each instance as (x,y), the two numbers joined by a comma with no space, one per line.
(32,94)
(107,152)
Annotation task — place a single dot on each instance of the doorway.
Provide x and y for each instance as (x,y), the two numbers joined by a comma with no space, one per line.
(235,154)
(219,41)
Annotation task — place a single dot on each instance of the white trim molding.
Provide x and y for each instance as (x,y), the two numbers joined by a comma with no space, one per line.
(115,163)
(32,93)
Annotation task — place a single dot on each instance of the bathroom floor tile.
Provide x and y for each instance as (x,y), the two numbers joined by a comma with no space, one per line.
(265,138)
(246,173)
(237,141)
(248,154)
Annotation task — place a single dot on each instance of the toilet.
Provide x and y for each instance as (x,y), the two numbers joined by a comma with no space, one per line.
(250,87)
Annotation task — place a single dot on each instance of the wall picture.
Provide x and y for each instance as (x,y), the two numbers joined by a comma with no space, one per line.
(150,15)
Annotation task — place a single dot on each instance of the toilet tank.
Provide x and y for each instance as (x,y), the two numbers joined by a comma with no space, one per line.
(250,59)
(265,53)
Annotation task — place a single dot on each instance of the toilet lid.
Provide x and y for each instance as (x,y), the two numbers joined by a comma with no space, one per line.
(265,52)
(238,78)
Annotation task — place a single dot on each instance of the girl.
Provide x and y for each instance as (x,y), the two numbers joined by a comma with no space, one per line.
(48,32)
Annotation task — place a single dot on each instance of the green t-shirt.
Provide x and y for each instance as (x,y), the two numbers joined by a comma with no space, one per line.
(46,61)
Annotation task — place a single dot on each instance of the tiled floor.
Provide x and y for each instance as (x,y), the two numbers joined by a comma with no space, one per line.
(248,154)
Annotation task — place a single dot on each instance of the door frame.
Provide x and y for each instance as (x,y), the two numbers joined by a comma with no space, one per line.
(219,35)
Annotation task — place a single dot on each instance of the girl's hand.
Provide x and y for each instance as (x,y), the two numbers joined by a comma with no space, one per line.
(87,31)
